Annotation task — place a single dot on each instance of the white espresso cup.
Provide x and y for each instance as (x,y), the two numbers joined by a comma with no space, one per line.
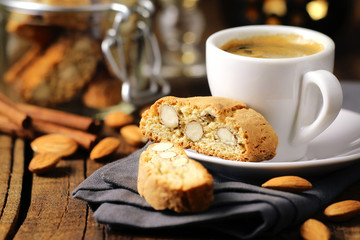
(299,96)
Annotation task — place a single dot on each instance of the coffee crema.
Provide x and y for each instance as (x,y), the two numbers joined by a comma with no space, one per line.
(273,46)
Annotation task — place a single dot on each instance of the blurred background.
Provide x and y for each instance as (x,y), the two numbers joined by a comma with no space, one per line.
(182,27)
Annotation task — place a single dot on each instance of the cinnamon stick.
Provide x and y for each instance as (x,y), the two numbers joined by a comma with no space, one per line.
(15,115)
(61,118)
(84,139)
(7,126)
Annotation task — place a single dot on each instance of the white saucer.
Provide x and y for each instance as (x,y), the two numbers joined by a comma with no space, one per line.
(337,147)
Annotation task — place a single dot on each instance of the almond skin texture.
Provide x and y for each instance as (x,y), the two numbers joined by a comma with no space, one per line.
(133,135)
(44,162)
(104,148)
(342,211)
(55,143)
(313,229)
(293,184)
(118,119)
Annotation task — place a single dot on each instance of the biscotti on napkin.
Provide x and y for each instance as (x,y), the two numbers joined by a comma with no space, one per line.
(168,179)
(215,126)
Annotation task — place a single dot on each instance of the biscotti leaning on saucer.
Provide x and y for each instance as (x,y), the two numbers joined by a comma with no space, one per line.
(214,126)
(168,179)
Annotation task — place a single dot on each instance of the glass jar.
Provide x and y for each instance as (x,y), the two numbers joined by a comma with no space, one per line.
(97,54)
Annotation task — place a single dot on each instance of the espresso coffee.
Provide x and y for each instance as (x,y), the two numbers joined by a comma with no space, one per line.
(273,46)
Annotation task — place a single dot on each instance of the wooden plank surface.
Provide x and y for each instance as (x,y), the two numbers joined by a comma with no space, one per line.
(53,213)
(5,171)
(6,162)
(12,171)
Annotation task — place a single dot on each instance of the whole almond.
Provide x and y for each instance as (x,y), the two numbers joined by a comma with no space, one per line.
(133,135)
(118,119)
(104,148)
(313,229)
(55,143)
(288,183)
(44,162)
(342,211)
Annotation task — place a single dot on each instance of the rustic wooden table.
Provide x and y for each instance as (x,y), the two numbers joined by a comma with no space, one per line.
(41,207)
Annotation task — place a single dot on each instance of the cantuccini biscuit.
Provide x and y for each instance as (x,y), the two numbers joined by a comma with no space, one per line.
(31,28)
(102,91)
(35,26)
(55,74)
(168,179)
(69,20)
(215,126)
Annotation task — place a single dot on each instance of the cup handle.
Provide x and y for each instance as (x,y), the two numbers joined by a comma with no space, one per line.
(317,84)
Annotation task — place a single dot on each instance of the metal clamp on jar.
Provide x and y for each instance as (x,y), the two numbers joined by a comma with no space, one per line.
(99,53)
(142,77)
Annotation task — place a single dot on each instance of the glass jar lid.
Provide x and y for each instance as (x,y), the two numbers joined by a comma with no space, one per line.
(31,6)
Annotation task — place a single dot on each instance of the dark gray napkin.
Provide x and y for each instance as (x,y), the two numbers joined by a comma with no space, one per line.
(240,209)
